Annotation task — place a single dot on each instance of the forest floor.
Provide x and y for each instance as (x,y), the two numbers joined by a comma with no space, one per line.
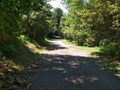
(16,71)
(63,67)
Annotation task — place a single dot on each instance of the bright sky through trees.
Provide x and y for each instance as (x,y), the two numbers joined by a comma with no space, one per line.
(58,4)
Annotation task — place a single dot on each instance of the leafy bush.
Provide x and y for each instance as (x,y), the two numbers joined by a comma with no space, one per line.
(68,34)
(111,49)
(103,42)
(79,37)
(89,41)
(1,54)
(8,50)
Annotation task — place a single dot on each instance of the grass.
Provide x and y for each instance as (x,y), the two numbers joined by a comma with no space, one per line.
(83,48)
(107,63)
(15,71)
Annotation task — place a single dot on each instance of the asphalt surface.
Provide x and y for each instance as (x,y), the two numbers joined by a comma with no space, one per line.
(65,68)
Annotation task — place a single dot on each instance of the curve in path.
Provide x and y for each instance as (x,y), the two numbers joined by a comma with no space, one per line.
(65,68)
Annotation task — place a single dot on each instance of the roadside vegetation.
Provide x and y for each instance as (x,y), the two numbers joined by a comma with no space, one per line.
(93,25)
(87,51)
(92,50)
(15,71)
(24,26)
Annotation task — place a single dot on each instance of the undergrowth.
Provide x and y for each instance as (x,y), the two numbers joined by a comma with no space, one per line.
(15,71)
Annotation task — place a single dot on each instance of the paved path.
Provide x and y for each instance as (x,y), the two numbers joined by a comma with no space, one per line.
(65,68)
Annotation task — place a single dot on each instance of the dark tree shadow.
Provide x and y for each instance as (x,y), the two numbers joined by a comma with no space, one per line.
(18,68)
(25,56)
(54,46)
(66,72)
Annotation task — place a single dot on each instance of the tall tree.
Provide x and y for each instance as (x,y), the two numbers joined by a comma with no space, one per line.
(29,17)
(94,23)
(57,18)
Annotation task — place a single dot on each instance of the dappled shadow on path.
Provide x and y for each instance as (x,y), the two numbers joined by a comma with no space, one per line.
(67,72)
(56,47)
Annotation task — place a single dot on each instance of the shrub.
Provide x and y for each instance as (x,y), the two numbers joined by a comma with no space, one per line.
(111,49)
(103,42)
(7,50)
(80,37)
(1,54)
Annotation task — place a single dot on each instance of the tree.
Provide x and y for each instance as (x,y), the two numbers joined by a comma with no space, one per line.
(29,17)
(57,19)
(94,23)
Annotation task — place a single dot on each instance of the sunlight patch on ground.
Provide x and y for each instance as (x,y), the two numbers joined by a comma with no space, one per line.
(32,47)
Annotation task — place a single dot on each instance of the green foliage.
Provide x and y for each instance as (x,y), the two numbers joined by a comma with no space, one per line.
(8,50)
(15,72)
(110,49)
(104,42)
(22,23)
(56,16)
(31,18)
(1,54)
(78,36)
(38,30)
(94,23)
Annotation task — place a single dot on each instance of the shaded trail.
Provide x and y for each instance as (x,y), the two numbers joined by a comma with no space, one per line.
(65,68)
